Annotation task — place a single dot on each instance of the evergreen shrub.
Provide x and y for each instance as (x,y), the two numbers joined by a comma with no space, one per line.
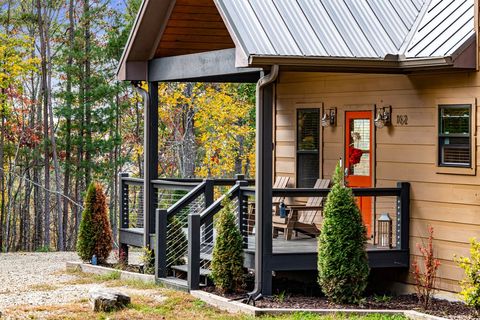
(471,283)
(95,234)
(342,260)
(227,262)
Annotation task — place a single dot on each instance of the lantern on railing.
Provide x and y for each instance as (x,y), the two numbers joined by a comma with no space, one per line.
(385,231)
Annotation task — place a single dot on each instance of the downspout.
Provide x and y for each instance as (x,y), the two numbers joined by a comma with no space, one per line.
(262,82)
(146,184)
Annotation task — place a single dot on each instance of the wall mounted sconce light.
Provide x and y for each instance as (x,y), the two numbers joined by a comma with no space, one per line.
(384,117)
(329,117)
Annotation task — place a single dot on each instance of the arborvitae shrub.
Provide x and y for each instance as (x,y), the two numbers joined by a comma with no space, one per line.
(342,260)
(95,234)
(177,242)
(227,262)
(471,283)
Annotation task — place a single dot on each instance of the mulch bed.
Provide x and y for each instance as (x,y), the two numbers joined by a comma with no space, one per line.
(441,308)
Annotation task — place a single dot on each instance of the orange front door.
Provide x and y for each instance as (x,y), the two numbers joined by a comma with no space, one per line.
(358,159)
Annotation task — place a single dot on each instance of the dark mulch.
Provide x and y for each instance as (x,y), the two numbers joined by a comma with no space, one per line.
(441,308)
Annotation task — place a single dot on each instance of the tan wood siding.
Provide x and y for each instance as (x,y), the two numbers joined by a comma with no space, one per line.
(448,202)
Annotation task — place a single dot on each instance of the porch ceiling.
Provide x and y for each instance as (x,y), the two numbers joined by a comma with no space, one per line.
(193,26)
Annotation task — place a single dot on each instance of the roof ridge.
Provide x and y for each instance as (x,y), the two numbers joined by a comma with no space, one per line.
(413,30)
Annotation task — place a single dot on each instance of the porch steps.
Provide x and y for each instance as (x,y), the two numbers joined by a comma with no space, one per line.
(174,283)
(181,271)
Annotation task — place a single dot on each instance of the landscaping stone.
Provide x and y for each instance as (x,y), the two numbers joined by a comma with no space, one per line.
(103,300)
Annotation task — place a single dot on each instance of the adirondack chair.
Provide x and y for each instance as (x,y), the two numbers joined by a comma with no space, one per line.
(301,218)
(280,183)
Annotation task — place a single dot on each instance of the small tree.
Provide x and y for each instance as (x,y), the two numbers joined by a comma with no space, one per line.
(227,262)
(425,281)
(471,283)
(342,260)
(95,234)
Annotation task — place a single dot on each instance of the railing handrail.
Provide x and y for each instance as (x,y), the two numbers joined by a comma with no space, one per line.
(312,192)
(185,181)
(186,199)
(216,206)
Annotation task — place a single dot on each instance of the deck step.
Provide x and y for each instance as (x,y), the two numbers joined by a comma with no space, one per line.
(174,283)
(184,268)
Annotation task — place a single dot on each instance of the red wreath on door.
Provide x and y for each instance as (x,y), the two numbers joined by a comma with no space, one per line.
(354,155)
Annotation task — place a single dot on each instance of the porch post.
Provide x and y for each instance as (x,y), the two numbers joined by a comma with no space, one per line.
(263,194)
(150,161)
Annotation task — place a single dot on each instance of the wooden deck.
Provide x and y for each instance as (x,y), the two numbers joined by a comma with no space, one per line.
(297,254)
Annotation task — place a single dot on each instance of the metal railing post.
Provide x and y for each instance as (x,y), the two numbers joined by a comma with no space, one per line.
(161,224)
(193,252)
(242,208)
(209,199)
(404,215)
(124,215)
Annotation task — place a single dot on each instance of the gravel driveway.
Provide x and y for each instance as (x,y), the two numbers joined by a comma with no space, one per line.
(28,279)
(34,279)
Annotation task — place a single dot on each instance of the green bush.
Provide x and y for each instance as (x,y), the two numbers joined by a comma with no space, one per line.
(95,234)
(342,260)
(177,242)
(471,283)
(227,262)
(148,260)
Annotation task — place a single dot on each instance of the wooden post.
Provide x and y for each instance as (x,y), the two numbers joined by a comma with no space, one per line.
(193,251)
(263,194)
(124,215)
(161,224)
(150,151)
(242,209)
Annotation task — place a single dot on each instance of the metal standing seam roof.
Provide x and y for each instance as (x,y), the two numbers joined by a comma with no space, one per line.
(350,28)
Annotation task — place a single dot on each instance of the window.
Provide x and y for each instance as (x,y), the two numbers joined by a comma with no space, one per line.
(455,136)
(308,150)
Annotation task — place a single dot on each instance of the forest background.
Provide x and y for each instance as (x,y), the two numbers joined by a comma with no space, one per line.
(66,121)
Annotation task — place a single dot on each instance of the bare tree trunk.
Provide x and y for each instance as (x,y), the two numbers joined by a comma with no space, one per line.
(186,136)
(68,120)
(45,99)
(88,106)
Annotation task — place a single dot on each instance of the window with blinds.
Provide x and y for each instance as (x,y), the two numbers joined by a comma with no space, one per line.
(308,147)
(454,135)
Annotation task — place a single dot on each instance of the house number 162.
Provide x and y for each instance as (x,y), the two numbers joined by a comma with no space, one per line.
(402,120)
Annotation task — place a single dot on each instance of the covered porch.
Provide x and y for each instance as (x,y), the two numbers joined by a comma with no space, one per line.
(183,259)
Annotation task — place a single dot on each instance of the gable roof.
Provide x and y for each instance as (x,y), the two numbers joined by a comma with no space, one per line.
(405,31)
(349,28)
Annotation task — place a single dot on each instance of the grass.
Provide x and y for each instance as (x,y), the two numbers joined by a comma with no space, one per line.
(147,305)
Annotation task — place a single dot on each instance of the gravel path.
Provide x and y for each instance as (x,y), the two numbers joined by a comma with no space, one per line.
(36,279)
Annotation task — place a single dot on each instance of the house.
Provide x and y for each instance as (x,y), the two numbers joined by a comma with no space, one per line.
(390,87)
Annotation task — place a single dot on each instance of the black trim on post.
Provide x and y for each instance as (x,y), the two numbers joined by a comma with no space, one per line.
(124,215)
(161,223)
(264,186)
(193,252)
(150,151)
(242,209)
(405,215)
(209,199)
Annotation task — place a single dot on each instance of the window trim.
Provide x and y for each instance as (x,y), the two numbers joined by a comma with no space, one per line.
(302,106)
(452,168)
